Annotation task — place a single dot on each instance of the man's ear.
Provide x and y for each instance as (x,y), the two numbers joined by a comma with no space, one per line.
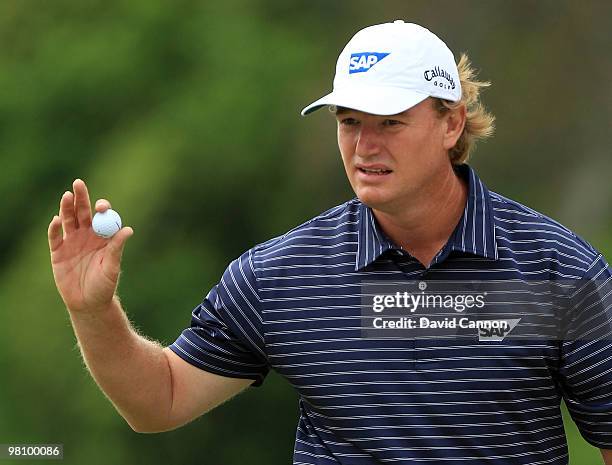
(454,122)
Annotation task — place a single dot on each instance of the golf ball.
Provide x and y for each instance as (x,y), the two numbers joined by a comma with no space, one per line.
(106,224)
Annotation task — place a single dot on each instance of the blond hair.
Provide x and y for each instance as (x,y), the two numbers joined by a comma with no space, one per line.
(478,123)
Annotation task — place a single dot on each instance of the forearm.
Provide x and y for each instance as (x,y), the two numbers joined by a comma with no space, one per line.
(607,456)
(132,371)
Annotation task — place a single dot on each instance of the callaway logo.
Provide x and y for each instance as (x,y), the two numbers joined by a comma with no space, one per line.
(439,72)
(363,61)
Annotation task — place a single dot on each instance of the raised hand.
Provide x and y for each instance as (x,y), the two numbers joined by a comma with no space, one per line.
(85,267)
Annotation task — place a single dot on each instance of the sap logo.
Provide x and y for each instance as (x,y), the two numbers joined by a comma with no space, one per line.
(495,330)
(363,61)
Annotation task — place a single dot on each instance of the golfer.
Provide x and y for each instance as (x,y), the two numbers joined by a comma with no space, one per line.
(407,117)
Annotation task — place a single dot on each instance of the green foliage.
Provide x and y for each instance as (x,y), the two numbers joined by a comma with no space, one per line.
(186,116)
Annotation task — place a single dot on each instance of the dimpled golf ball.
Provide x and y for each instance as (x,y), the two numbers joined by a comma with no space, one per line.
(106,224)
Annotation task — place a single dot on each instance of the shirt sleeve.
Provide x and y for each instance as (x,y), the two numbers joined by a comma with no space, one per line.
(586,356)
(226,332)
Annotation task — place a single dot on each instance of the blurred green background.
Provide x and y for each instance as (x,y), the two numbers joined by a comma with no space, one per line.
(185,115)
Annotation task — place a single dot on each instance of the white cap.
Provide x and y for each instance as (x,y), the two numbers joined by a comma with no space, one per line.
(388,68)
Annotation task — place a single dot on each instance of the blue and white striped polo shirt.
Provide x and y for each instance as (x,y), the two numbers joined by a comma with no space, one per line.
(293,304)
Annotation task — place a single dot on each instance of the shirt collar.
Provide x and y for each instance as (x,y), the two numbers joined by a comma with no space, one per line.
(474,234)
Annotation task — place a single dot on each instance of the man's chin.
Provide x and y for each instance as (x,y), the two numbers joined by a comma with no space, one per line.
(382,201)
(375,200)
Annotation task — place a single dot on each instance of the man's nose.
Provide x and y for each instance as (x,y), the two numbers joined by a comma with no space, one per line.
(368,141)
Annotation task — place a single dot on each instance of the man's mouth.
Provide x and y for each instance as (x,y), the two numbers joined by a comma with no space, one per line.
(377,172)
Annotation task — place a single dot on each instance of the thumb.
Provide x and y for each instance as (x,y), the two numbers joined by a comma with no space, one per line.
(115,250)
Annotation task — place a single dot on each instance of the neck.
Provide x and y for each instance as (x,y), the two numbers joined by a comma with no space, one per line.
(423,226)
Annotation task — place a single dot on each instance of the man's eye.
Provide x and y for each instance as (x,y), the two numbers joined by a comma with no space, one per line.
(348,121)
(391,122)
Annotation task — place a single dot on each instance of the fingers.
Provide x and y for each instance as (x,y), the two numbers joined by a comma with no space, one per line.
(66,213)
(55,233)
(102,205)
(115,246)
(75,209)
(82,206)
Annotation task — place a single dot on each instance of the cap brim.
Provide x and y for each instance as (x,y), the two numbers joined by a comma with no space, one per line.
(374,100)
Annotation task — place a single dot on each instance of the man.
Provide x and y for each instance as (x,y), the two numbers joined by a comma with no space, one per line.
(407,120)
